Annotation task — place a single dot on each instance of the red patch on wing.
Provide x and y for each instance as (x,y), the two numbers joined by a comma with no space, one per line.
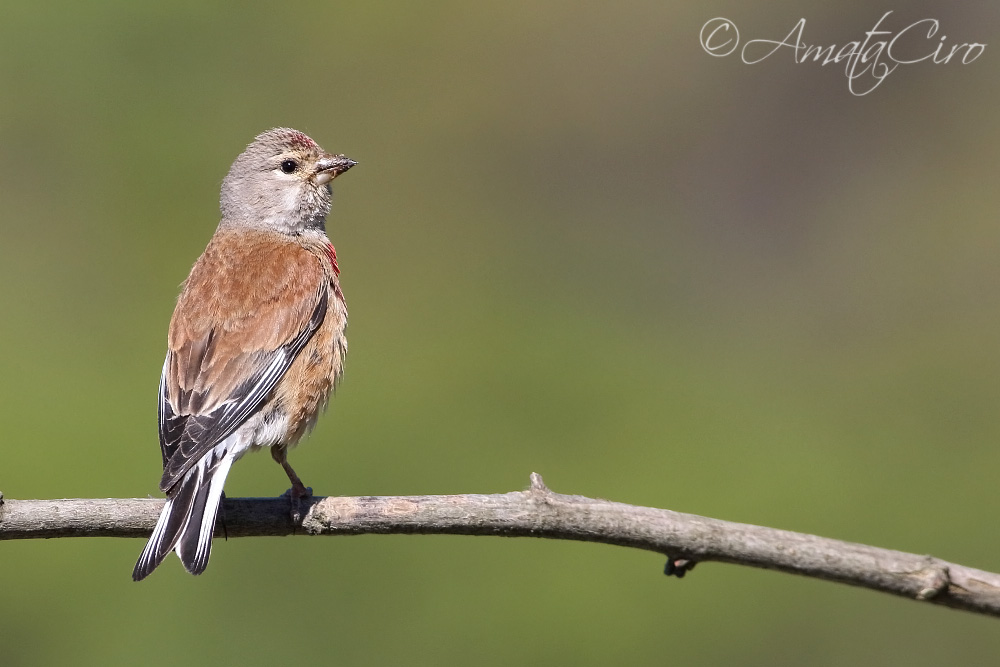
(331,252)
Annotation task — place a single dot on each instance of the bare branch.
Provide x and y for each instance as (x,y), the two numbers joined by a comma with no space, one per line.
(538,512)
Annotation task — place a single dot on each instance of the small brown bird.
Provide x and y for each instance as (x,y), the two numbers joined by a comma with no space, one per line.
(256,342)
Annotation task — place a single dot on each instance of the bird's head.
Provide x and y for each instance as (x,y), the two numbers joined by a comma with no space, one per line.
(281,182)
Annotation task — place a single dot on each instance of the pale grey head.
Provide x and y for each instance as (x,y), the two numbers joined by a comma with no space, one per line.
(281,182)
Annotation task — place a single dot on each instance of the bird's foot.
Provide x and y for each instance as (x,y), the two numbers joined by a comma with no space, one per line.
(295,496)
(678,567)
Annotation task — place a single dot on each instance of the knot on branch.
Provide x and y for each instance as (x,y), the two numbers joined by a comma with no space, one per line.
(537,485)
(936,579)
(538,491)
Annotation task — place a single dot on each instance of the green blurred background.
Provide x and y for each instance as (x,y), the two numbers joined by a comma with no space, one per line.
(576,244)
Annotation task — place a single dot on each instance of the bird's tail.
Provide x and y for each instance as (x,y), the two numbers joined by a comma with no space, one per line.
(187,521)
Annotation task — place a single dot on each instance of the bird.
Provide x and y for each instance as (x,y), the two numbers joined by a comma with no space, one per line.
(256,342)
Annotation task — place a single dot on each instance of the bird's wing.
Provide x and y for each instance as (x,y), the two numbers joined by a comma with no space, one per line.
(245,314)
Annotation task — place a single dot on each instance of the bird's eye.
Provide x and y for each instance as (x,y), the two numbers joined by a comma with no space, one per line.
(289,166)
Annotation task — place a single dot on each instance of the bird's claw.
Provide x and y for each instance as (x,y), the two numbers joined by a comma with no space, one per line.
(295,496)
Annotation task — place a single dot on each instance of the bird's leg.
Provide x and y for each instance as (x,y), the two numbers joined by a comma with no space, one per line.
(298,490)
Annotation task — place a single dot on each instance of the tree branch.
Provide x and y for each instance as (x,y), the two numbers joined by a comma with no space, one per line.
(538,512)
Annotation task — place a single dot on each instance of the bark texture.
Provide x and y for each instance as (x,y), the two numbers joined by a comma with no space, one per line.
(539,512)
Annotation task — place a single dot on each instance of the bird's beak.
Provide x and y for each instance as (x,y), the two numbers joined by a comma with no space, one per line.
(330,167)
